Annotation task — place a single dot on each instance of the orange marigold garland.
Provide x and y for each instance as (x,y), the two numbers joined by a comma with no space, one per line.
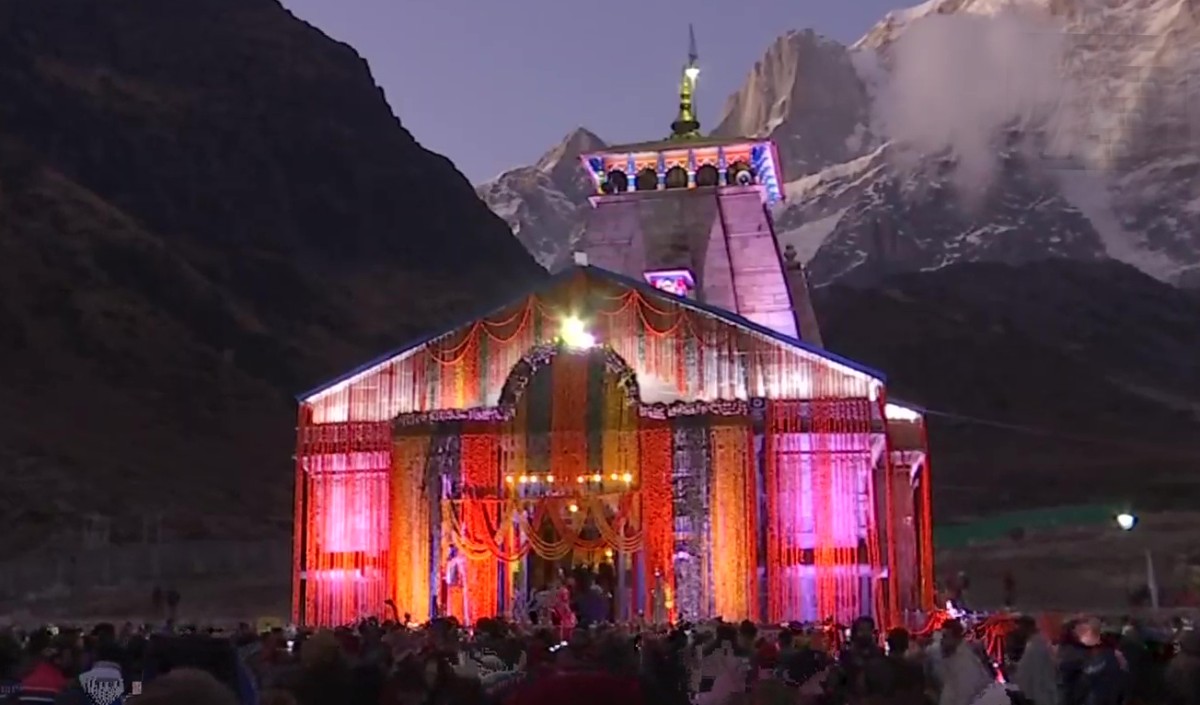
(733,541)
(656,449)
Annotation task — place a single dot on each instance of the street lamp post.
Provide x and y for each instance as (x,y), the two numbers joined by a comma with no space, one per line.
(1127,521)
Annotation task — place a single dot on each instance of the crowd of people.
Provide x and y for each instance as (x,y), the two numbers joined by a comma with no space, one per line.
(502,663)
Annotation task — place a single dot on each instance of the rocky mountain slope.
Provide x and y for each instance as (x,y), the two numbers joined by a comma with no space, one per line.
(545,203)
(1055,382)
(968,130)
(204,208)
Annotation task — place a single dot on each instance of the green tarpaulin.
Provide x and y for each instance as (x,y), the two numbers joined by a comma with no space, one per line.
(1001,526)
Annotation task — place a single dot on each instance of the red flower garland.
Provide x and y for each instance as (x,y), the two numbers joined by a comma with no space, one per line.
(481,473)
(656,447)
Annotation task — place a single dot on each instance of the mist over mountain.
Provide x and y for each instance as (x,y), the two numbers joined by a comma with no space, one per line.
(1023,129)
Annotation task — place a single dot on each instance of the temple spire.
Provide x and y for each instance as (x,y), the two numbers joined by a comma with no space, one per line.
(686,126)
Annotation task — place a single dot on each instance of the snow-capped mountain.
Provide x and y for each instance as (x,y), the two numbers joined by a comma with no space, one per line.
(958,130)
(544,204)
(806,95)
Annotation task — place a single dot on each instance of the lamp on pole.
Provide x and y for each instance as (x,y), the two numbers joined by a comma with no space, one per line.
(1127,521)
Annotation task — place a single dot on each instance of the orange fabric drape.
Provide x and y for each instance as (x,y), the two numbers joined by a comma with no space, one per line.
(568,409)
(656,450)
(734,525)
(481,474)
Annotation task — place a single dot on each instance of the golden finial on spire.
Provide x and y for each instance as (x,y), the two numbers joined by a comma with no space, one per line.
(686,125)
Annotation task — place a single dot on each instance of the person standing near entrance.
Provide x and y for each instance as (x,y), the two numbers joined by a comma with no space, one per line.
(458,603)
(659,597)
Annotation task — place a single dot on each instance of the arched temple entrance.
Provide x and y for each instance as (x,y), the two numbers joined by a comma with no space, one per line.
(554,492)
(562,480)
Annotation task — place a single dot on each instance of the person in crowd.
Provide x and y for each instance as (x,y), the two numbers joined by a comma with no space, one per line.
(325,676)
(900,679)
(104,682)
(592,604)
(1183,674)
(724,666)
(52,659)
(1033,669)
(961,676)
(805,665)
(1089,672)
(599,684)
(859,662)
(186,686)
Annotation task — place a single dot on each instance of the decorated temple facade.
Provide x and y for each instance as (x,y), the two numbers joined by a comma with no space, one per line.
(710,465)
(662,412)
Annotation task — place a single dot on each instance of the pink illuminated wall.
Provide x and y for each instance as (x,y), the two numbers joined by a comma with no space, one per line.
(345,532)
(846,470)
(823,559)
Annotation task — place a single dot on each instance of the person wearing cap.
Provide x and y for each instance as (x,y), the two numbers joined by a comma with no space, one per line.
(103,683)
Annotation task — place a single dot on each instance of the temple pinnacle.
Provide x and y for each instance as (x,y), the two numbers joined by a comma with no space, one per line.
(686,125)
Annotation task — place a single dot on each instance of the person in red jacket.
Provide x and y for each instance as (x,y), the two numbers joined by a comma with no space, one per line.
(47,678)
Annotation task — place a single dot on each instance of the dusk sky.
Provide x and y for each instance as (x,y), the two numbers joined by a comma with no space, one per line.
(493,85)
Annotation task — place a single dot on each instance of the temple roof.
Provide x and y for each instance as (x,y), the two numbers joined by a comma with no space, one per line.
(673,144)
(597,273)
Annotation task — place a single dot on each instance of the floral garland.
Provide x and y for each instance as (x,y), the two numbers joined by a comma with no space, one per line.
(656,412)
(656,453)
(626,382)
(734,524)
(481,537)
(480,469)
(410,521)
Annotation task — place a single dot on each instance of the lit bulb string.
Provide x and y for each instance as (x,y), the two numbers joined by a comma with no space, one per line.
(1050,433)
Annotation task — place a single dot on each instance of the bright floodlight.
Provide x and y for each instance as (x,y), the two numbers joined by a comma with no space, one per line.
(692,72)
(1126,521)
(575,335)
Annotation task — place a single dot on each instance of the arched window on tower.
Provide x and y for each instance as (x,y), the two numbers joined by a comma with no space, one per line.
(647,180)
(739,174)
(708,175)
(677,177)
(619,181)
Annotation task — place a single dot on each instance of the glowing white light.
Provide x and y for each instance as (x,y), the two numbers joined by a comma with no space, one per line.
(574,334)
(692,72)
(1126,521)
